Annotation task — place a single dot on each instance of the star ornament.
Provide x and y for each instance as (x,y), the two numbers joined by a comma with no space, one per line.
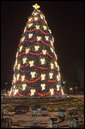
(36,6)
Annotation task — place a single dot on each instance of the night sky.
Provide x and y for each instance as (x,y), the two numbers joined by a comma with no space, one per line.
(66,21)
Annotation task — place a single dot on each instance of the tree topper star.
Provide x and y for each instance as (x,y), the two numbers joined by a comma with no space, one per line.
(36,6)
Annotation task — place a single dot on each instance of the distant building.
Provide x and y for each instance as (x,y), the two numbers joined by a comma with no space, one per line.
(52,123)
(61,113)
(21,109)
(73,122)
(6,123)
(34,111)
(35,124)
(44,112)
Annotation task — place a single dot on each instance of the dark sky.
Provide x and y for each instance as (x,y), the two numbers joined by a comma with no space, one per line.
(66,21)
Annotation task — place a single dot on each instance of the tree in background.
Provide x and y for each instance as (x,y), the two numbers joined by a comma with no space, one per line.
(36,70)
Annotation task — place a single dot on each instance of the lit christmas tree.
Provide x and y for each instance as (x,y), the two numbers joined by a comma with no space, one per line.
(36,70)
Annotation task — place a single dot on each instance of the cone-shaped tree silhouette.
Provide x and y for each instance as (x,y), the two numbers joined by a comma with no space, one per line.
(36,70)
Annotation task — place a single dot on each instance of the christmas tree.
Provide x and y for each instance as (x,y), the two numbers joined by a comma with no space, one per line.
(36,69)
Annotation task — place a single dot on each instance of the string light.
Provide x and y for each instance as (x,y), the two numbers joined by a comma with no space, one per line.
(18,66)
(15,92)
(22,39)
(45,27)
(49,30)
(47,38)
(18,75)
(42,77)
(20,48)
(27,50)
(23,77)
(58,87)
(58,77)
(24,60)
(30,35)
(38,38)
(33,74)
(36,48)
(42,61)
(32,92)
(29,25)
(51,75)
(43,86)
(37,27)
(25,29)
(52,65)
(44,52)
(51,91)
(24,86)
(31,63)
(29,19)
(35,18)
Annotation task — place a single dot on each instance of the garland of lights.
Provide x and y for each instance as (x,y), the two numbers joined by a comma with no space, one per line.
(39,94)
(36,54)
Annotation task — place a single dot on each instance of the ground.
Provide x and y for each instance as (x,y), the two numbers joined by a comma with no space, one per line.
(72,103)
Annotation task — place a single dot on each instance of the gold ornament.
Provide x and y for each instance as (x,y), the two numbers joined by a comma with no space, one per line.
(36,6)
